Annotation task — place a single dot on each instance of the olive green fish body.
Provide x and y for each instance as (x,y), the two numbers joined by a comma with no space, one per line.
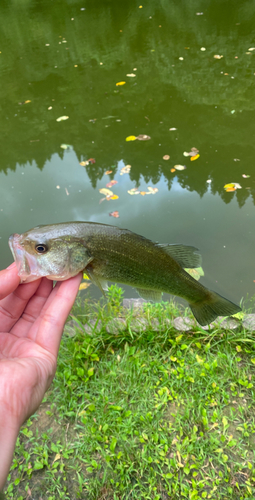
(108,253)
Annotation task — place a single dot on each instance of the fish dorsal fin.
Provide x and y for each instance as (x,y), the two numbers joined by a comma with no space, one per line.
(185,256)
(150,294)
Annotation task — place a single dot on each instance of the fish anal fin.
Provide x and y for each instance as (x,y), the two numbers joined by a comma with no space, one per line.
(150,294)
(186,256)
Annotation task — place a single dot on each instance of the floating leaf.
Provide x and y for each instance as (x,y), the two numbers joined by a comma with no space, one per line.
(111,183)
(217,56)
(152,190)
(166,157)
(26,102)
(196,273)
(91,160)
(84,163)
(209,181)
(245,176)
(172,170)
(172,129)
(143,193)
(120,83)
(83,286)
(131,74)
(113,197)
(125,170)
(133,191)
(114,214)
(62,118)
(66,146)
(232,186)
(186,154)
(192,158)
(131,138)
(180,167)
(108,172)
(194,151)
(143,137)
(106,192)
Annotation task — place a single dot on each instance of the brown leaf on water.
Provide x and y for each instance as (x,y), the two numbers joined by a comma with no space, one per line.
(143,137)
(166,157)
(108,172)
(114,214)
(111,183)
(172,170)
(92,160)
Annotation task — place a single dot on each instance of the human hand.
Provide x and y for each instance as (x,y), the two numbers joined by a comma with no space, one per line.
(32,318)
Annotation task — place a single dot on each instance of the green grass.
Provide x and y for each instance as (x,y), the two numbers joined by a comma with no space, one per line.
(142,414)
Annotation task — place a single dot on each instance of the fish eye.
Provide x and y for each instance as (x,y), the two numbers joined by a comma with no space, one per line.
(41,248)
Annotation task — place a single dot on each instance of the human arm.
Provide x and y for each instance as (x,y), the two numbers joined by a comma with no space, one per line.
(32,318)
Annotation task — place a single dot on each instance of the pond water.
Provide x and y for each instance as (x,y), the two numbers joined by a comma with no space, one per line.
(64,58)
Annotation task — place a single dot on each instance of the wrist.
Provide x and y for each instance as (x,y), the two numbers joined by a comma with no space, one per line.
(9,429)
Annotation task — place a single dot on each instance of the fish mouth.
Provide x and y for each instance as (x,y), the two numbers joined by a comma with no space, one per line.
(27,264)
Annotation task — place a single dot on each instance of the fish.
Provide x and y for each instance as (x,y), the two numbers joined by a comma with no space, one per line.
(109,253)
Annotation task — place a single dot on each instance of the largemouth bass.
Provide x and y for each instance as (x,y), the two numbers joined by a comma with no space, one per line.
(105,252)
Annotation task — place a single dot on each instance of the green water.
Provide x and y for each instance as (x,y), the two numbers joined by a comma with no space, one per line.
(68,56)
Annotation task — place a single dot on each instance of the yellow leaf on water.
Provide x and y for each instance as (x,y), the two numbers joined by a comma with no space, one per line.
(131,138)
(113,197)
(192,158)
(26,102)
(83,286)
(120,83)
(143,193)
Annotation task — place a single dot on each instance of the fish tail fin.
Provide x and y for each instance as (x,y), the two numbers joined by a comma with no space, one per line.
(208,310)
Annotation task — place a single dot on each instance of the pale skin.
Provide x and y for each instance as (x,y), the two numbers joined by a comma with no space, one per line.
(32,318)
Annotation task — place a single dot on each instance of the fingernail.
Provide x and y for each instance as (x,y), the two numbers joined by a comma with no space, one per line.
(12,266)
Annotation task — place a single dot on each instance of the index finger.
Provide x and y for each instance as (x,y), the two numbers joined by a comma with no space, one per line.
(47,329)
(9,280)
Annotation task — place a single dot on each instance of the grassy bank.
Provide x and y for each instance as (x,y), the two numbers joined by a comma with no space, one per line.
(140,411)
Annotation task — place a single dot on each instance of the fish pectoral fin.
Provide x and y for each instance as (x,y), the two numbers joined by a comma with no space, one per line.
(149,294)
(185,256)
(101,283)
